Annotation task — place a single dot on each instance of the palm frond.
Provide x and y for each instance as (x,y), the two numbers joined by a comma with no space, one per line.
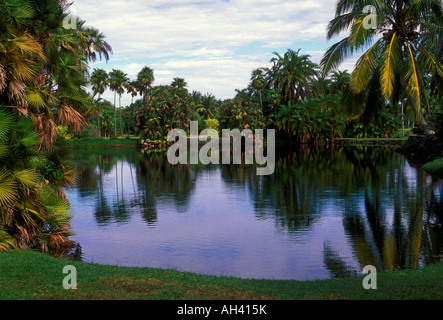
(71,118)
(335,55)
(365,65)
(390,57)
(413,76)
(26,177)
(8,190)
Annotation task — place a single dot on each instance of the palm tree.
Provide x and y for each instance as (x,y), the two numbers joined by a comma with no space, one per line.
(99,80)
(44,66)
(340,80)
(94,43)
(403,45)
(120,91)
(117,78)
(33,214)
(43,78)
(294,76)
(179,83)
(19,54)
(131,88)
(145,79)
(258,82)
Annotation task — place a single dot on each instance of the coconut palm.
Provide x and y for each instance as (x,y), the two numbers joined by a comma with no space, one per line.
(294,76)
(401,41)
(99,81)
(339,80)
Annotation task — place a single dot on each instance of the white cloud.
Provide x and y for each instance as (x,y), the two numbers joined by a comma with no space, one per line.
(213,44)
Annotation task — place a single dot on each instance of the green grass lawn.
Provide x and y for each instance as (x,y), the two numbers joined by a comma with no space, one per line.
(26,275)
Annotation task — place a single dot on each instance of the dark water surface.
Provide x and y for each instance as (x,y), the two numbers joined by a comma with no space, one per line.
(322,214)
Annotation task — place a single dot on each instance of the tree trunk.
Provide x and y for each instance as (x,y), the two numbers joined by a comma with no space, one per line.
(99,117)
(120,106)
(115,115)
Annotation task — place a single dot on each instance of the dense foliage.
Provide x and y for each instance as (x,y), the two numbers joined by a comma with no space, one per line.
(165,108)
(43,75)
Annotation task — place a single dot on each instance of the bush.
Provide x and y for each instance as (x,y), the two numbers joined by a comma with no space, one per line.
(195,116)
(213,124)
(64,132)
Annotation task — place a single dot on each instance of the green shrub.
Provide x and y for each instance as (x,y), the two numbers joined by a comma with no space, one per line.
(213,124)
(64,132)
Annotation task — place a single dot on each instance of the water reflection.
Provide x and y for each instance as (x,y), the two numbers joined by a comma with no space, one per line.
(323,213)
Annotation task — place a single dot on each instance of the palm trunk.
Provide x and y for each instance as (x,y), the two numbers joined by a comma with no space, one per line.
(99,118)
(120,106)
(115,115)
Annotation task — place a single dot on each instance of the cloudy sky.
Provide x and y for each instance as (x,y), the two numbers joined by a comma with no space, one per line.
(213,44)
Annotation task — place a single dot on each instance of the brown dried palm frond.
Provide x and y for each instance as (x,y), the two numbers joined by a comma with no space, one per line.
(23,238)
(7,216)
(62,195)
(47,129)
(71,118)
(17,92)
(2,79)
(58,239)
(40,79)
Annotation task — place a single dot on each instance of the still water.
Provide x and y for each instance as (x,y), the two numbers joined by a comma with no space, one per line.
(324,213)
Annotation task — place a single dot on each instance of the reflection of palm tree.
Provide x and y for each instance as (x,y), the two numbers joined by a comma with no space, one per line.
(384,244)
(102,211)
(335,264)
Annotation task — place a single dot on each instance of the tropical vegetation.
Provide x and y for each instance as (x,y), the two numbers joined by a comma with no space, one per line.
(43,78)
(44,99)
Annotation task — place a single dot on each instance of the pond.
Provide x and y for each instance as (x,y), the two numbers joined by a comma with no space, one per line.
(324,213)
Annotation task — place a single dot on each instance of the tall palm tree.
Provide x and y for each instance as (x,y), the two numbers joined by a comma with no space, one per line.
(145,79)
(403,44)
(258,82)
(179,83)
(120,92)
(94,43)
(340,80)
(131,88)
(117,78)
(99,81)
(294,76)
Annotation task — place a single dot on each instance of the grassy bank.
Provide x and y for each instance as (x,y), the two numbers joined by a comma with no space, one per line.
(94,143)
(435,168)
(31,275)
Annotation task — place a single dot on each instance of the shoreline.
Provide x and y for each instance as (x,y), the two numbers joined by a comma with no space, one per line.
(33,275)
